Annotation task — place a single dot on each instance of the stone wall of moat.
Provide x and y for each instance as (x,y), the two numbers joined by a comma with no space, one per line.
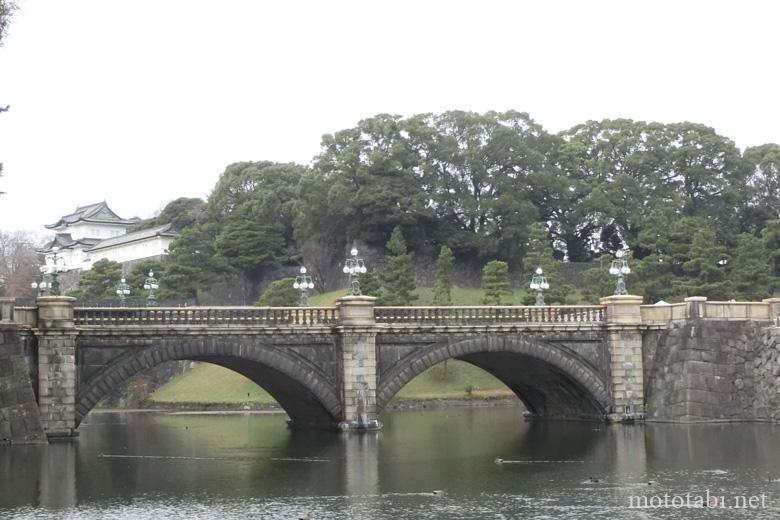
(19,418)
(706,370)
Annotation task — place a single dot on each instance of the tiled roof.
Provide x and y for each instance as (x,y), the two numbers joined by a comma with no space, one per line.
(98,213)
(165,231)
(65,241)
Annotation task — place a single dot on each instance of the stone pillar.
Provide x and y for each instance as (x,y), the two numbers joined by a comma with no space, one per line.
(624,345)
(6,310)
(774,309)
(357,339)
(57,366)
(697,307)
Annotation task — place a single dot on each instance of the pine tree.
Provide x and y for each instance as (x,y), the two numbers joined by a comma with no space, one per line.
(704,276)
(280,293)
(751,269)
(398,280)
(371,285)
(442,294)
(495,282)
(539,253)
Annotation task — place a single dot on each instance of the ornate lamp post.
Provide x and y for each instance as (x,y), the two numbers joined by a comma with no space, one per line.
(151,285)
(619,267)
(40,286)
(354,267)
(539,284)
(54,268)
(122,290)
(303,283)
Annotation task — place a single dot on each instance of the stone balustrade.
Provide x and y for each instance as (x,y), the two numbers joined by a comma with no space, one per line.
(455,315)
(697,307)
(258,316)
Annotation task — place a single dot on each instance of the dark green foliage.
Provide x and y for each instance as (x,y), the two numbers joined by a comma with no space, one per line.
(598,282)
(183,212)
(539,253)
(751,269)
(398,279)
(280,293)
(140,272)
(442,294)
(100,282)
(191,265)
(371,285)
(495,282)
(703,274)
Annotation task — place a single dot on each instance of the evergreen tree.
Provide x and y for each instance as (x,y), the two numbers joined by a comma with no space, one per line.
(751,269)
(539,253)
(99,282)
(371,285)
(398,279)
(280,293)
(598,282)
(442,294)
(137,276)
(495,282)
(704,275)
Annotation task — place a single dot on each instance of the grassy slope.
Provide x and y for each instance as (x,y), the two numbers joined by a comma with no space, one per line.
(207,383)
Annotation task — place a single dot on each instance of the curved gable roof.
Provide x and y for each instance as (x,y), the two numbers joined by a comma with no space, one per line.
(98,213)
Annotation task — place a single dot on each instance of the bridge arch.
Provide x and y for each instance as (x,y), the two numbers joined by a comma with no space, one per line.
(300,387)
(549,379)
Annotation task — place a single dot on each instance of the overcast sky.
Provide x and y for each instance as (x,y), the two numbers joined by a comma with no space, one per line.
(141,102)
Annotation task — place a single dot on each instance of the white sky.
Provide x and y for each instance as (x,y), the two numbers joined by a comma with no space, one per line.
(140,102)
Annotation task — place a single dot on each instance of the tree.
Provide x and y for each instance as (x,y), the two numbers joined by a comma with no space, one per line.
(705,276)
(6,10)
(99,282)
(764,183)
(280,293)
(442,294)
(597,281)
(371,285)
(183,212)
(751,269)
(398,280)
(192,264)
(539,253)
(137,276)
(248,242)
(18,263)
(495,282)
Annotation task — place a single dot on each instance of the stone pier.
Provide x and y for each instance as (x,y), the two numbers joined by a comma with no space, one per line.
(357,339)
(56,336)
(624,344)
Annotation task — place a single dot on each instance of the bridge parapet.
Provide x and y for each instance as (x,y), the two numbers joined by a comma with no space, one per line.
(455,315)
(697,307)
(257,316)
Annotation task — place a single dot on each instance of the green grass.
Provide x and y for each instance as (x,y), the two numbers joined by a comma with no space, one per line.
(208,384)
(211,384)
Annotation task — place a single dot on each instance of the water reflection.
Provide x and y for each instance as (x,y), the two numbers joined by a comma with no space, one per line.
(205,466)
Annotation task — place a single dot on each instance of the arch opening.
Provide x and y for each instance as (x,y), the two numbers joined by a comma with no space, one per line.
(303,392)
(550,381)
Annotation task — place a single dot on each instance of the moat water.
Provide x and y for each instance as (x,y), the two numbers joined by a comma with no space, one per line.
(423,464)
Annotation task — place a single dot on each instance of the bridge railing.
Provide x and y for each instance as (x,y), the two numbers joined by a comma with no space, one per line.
(489,315)
(258,316)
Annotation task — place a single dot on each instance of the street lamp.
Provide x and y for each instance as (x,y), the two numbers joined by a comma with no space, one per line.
(122,290)
(151,285)
(354,267)
(619,267)
(539,284)
(56,267)
(40,286)
(303,283)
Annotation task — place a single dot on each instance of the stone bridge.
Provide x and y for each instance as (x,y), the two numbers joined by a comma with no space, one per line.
(340,366)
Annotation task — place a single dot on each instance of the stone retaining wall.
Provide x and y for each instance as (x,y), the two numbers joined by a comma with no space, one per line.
(712,371)
(19,417)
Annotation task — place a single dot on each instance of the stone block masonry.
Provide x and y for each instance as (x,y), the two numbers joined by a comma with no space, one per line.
(19,418)
(713,371)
